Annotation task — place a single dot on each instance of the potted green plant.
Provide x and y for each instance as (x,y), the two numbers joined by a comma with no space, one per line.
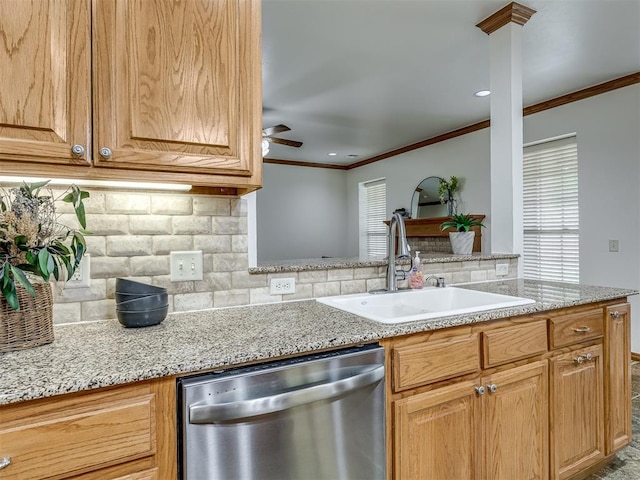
(462,239)
(35,246)
(446,192)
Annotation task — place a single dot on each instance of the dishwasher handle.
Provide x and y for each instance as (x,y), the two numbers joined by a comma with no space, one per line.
(225,412)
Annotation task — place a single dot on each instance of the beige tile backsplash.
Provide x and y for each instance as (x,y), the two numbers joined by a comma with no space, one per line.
(133,234)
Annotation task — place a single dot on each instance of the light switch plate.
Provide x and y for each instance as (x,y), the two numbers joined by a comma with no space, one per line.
(186,266)
(614,246)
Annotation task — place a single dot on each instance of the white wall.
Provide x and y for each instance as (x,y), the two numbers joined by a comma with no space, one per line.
(608,132)
(466,157)
(608,137)
(301,213)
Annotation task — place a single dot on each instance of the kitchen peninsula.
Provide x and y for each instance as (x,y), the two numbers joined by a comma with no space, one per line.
(138,367)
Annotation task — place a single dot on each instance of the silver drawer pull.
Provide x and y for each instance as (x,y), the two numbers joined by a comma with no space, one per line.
(588,356)
(584,329)
(615,314)
(480,390)
(579,360)
(5,462)
(493,388)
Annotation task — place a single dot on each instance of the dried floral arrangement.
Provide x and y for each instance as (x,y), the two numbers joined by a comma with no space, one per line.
(32,241)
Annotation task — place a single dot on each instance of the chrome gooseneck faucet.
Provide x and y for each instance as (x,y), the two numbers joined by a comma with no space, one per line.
(396,223)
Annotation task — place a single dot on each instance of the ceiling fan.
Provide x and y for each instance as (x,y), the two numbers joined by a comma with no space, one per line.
(267,137)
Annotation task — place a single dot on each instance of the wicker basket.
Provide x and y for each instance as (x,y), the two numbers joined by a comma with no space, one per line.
(32,325)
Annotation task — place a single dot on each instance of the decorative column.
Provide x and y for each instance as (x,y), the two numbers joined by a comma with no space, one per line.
(505,36)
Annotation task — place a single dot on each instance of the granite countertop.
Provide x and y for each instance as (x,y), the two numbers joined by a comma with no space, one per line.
(306,264)
(98,354)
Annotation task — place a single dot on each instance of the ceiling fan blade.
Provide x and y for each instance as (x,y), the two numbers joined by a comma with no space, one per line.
(284,141)
(275,129)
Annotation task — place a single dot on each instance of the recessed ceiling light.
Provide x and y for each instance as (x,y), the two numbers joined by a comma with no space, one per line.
(352,155)
(332,154)
(482,93)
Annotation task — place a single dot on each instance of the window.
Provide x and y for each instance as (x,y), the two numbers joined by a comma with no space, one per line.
(373,212)
(551,224)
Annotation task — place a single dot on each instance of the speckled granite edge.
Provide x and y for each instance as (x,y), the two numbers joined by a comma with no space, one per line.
(100,354)
(303,265)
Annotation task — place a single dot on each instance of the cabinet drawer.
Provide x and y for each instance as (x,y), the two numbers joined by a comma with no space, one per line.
(576,327)
(53,443)
(507,344)
(432,361)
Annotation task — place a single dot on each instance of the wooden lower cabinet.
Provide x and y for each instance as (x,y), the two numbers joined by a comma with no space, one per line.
(516,439)
(437,434)
(491,428)
(617,353)
(577,411)
(120,433)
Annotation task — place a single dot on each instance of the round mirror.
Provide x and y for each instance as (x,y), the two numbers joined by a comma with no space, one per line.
(426,199)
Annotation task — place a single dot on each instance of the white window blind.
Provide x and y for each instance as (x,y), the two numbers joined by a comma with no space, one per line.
(551,222)
(373,208)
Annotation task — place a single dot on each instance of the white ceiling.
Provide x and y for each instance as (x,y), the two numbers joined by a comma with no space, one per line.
(364,77)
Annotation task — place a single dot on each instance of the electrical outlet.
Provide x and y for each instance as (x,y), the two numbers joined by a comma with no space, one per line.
(502,269)
(281,286)
(186,266)
(81,278)
(613,245)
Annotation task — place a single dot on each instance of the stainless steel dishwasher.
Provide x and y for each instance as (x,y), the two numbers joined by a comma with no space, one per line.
(318,417)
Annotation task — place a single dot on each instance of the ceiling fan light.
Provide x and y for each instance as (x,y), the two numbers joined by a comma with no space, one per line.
(265,147)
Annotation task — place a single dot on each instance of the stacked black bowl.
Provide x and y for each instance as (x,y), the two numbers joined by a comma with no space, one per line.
(140,304)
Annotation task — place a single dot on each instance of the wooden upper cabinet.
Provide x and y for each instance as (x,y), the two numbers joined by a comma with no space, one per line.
(177,85)
(45,65)
(170,89)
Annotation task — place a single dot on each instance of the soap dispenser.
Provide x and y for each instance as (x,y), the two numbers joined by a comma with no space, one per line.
(416,278)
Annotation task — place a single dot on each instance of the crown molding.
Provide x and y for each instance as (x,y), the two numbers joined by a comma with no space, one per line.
(512,13)
(621,82)
(295,163)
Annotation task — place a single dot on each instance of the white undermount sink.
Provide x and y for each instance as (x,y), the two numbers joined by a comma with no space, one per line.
(424,304)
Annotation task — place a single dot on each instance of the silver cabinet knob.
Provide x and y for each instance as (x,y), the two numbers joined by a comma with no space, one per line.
(480,390)
(588,357)
(493,388)
(105,152)
(578,360)
(5,462)
(615,314)
(77,150)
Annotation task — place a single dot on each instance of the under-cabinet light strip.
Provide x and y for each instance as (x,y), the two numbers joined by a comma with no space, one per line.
(100,183)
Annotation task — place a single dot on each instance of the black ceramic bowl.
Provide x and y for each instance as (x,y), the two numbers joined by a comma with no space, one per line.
(147,302)
(142,318)
(124,285)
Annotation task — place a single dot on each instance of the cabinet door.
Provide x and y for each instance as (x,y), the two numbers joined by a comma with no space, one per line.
(438,434)
(577,411)
(58,437)
(177,85)
(45,66)
(516,423)
(617,351)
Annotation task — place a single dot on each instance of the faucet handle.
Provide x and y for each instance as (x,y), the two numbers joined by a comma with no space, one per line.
(439,281)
